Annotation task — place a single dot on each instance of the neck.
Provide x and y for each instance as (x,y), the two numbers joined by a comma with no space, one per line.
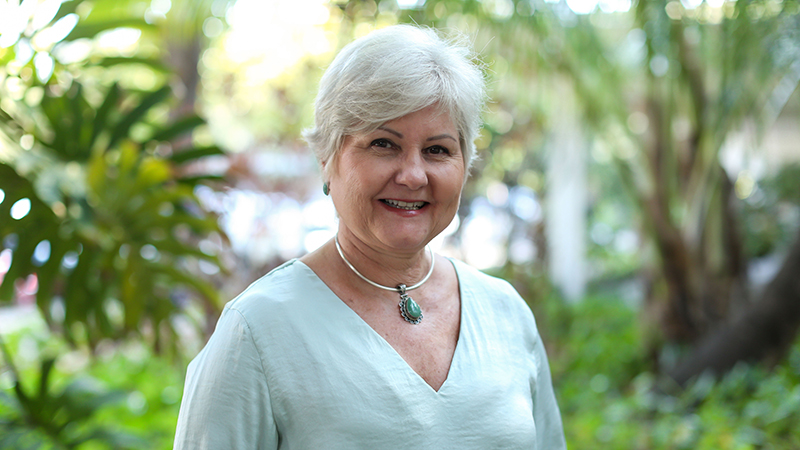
(384,268)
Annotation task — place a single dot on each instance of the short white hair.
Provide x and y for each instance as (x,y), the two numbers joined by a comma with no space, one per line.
(393,72)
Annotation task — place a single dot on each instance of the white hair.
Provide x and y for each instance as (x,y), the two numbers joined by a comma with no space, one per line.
(390,73)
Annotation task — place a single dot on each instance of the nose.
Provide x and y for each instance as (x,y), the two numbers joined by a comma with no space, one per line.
(412,171)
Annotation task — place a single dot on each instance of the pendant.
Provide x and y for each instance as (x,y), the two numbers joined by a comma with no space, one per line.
(409,309)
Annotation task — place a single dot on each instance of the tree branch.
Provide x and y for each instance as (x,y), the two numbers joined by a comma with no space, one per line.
(763,333)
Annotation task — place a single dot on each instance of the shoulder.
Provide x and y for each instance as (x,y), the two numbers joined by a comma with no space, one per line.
(280,277)
(280,288)
(470,275)
(285,306)
(275,304)
(482,285)
(493,296)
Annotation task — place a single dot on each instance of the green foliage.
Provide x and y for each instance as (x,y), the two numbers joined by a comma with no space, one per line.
(112,226)
(786,184)
(153,387)
(97,207)
(611,398)
(769,216)
(116,229)
(47,416)
(124,398)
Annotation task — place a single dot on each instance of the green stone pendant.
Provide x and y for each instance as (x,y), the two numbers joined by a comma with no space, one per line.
(409,309)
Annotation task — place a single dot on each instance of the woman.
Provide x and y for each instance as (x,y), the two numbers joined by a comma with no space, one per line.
(372,341)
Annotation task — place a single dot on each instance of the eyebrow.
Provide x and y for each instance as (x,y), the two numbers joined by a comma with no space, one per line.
(432,138)
(441,136)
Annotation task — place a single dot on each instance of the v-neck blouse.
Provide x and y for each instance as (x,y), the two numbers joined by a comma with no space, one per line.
(291,366)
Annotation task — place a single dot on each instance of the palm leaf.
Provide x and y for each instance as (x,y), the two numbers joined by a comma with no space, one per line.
(102,114)
(122,129)
(155,64)
(183,156)
(90,30)
(67,7)
(178,128)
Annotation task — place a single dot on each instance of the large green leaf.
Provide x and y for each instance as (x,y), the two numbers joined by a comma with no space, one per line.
(67,7)
(195,153)
(152,63)
(176,129)
(150,100)
(101,116)
(92,29)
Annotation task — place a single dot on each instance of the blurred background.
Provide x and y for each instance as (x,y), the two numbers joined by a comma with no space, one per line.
(638,182)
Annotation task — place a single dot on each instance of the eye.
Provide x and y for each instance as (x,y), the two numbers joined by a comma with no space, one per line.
(437,150)
(381,143)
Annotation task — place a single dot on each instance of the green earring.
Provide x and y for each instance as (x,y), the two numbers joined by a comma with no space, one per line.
(325,189)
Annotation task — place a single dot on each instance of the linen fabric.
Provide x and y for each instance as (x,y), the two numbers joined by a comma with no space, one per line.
(291,366)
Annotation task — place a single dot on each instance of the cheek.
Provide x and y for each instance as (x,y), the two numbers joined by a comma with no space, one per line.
(453,182)
(355,184)
(366,180)
(349,191)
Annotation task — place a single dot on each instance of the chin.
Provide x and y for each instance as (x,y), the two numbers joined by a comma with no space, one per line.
(408,241)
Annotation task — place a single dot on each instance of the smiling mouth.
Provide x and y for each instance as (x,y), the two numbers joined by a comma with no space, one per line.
(409,206)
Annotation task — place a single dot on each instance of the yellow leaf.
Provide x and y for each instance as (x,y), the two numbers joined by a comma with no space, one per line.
(152,172)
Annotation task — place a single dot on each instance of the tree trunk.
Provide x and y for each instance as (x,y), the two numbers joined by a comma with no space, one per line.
(764,332)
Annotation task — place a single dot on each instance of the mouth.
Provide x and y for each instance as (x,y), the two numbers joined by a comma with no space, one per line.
(408,206)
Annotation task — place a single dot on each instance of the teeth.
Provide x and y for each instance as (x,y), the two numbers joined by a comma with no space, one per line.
(404,205)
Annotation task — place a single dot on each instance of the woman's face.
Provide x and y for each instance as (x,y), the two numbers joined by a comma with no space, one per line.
(398,187)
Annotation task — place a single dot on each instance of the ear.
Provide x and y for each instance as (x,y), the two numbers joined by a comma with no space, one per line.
(326,179)
(328,167)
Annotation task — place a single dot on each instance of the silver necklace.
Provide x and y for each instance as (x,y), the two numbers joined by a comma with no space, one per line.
(409,309)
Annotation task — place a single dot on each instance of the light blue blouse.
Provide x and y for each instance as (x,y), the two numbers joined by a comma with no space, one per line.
(291,366)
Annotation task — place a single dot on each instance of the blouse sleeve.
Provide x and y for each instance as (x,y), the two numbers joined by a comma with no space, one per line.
(546,415)
(226,400)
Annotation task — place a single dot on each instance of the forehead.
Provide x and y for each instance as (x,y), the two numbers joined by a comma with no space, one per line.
(428,118)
